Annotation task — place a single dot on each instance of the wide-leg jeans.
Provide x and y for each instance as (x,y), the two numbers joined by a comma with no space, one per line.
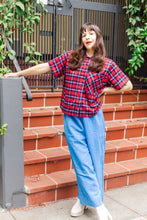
(86,141)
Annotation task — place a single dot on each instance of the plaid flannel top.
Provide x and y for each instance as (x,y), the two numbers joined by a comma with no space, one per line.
(81,87)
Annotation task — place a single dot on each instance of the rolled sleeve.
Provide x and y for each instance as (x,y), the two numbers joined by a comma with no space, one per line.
(116,77)
(58,65)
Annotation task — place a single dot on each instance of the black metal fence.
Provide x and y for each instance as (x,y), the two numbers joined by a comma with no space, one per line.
(58,32)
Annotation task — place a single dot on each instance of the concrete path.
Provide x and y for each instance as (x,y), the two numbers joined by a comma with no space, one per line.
(126,203)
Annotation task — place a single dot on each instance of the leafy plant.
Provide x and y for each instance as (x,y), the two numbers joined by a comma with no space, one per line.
(137,33)
(17,15)
(3,129)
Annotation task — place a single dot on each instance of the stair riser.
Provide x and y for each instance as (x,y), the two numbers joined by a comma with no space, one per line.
(66,164)
(51,195)
(72,191)
(53,120)
(53,99)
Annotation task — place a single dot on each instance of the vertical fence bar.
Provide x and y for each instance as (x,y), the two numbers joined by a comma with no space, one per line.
(115,33)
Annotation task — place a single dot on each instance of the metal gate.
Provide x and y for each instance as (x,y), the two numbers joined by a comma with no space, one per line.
(59,29)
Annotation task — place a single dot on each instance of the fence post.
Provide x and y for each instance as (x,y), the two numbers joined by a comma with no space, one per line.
(11,144)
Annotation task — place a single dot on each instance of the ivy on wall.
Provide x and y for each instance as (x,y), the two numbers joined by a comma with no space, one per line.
(137,33)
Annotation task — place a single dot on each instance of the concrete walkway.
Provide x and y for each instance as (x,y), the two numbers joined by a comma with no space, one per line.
(126,203)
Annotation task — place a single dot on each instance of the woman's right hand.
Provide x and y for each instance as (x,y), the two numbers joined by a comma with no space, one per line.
(11,75)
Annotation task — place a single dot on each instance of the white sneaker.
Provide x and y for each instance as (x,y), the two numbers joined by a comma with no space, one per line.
(103,213)
(77,209)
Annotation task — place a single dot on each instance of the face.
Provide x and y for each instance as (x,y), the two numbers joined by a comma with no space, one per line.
(89,40)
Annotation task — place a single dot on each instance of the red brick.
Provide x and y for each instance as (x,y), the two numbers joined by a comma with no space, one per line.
(55,154)
(125,155)
(65,178)
(130,96)
(122,115)
(135,166)
(116,182)
(143,96)
(115,170)
(25,122)
(58,165)
(114,135)
(139,142)
(110,157)
(108,116)
(67,192)
(39,184)
(139,113)
(34,163)
(41,197)
(37,101)
(34,169)
(64,143)
(58,120)
(40,121)
(41,112)
(141,153)
(52,101)
(112,98)
(133,132)
(110,147)
(29,144)
(138,178)
(50,142)
(123,145)
(46,132)
(145,131)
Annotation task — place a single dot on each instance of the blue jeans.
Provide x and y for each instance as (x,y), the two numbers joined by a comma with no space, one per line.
(86,141)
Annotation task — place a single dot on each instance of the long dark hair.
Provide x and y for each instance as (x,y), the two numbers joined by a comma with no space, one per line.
(77,56)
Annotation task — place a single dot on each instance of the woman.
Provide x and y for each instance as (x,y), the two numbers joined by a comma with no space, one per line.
(87,75)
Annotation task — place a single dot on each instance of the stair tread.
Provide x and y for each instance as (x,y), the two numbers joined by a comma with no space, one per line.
(50,181)
(32,157)
(128,144)
(41,112)
(31,112)
(110,126)
(41,132)
(67,178)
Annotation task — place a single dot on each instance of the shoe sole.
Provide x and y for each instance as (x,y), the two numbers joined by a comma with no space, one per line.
(79,213)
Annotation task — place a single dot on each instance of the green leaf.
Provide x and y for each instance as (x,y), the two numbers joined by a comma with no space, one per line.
(10,56)
(20,5)
(131,72)
(8,33)
(33,61)
(3,129)
(38,54)
(27,59)
(10,40)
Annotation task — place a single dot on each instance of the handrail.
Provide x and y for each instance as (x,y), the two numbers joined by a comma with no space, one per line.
(25,85)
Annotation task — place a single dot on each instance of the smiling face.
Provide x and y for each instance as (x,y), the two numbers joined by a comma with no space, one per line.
(89,40)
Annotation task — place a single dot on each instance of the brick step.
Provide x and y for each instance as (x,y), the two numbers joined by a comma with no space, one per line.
(53,116)
(51,137)
(58,159)
(60,185)
(48,99)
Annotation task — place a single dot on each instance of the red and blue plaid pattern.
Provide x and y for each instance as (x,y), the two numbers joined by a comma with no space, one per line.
(81,87)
